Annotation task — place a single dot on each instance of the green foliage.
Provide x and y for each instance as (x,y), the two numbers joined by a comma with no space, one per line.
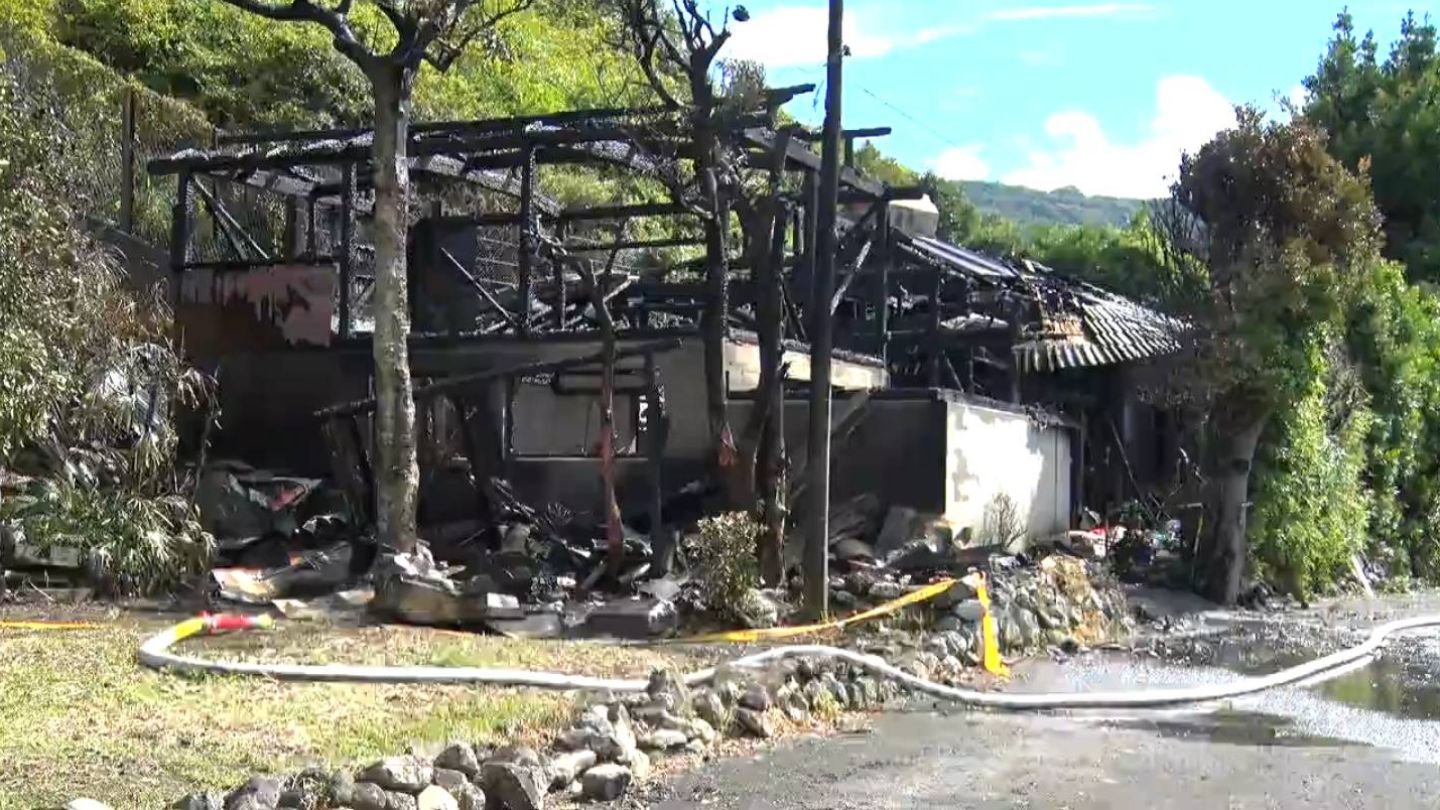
(1383,117)
(723,555)
(1311,508)
(239,68)
(135,543)
(74,348)
(1285,236)
(1394,337)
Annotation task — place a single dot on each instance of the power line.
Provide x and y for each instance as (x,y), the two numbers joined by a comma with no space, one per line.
(912,119)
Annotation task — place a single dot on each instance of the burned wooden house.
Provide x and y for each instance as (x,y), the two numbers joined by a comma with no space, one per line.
(950,369)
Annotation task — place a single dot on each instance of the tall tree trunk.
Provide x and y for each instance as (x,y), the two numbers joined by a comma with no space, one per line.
(397,476)
(1233,432)
(713,328)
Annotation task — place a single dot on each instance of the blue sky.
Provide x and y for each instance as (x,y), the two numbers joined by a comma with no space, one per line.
(1104,96)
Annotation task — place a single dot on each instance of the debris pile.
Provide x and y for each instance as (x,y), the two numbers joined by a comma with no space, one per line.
(293,544)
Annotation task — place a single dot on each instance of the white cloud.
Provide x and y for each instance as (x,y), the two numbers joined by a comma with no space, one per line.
(1053,12)
(1188,112)
(1297,96)
(962,163)
(790,36)
(794,36)
(925,36)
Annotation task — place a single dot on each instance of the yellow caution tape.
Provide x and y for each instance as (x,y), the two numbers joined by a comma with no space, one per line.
(774,633)
(989,636)
(11,625)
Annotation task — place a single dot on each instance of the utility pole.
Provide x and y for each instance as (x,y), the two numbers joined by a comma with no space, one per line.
(817,540)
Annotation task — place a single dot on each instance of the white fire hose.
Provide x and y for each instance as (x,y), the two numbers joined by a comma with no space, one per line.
(155,653)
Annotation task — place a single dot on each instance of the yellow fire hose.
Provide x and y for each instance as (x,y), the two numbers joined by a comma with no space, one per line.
(43,625)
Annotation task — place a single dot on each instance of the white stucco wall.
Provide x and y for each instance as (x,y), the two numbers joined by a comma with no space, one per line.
(991,452)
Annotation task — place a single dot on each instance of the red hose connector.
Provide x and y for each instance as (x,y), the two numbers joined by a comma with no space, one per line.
(226,622)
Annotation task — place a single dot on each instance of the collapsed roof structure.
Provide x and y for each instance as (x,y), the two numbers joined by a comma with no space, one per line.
(271,258)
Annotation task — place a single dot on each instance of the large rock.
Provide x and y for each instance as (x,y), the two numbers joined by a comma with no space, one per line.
(260,793)
(886,591)
(756,724)
(702,730)
(199,801)
(667,690)
(436,798)
(407,774)
(310,789)
(562,769)
(85,804)
(605,783)
(606,730)
(466,794)
(663,739)
(897,530)
(510,786)
(756,697)
(459,757)
(368,796)
(969,610)
(710,708)
(400,800)
(639,766)
(958,592)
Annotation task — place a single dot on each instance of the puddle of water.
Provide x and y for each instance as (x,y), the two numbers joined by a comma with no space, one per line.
(1390,684)
(1232,727)
(1386,686)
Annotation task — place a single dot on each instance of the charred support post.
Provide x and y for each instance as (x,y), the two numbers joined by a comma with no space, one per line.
(346,248)
(507,429)
(559,274)
(661,542)
(179,234)
(310,245)
(805,278)
(882,285)
(527,237)
(817,540)
(127,162)
(936,352)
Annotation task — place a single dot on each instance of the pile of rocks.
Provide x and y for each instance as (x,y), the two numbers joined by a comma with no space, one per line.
(1060,603)
(610,747)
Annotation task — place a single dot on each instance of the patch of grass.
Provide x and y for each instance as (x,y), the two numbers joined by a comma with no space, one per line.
(79,716)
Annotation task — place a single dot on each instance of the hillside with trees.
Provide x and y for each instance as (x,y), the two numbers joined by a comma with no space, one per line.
(1063,206)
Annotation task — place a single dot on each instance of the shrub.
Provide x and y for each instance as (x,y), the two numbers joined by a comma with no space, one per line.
(723,556)
(88,380)
(1311,508)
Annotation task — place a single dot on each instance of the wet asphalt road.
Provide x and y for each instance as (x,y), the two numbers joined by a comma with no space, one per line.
(1368,740)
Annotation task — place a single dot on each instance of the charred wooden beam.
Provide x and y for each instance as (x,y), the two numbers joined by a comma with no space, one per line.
(508,370)
(528,231)
(346,248)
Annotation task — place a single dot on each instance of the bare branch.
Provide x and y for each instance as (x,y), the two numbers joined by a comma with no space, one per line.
(335,20)
(446,53)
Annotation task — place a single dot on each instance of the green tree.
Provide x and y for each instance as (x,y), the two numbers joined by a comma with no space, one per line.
(1383,118)
(1281,232)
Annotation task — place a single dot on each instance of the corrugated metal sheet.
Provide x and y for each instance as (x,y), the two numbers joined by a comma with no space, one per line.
(1115,329)
(966,261)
